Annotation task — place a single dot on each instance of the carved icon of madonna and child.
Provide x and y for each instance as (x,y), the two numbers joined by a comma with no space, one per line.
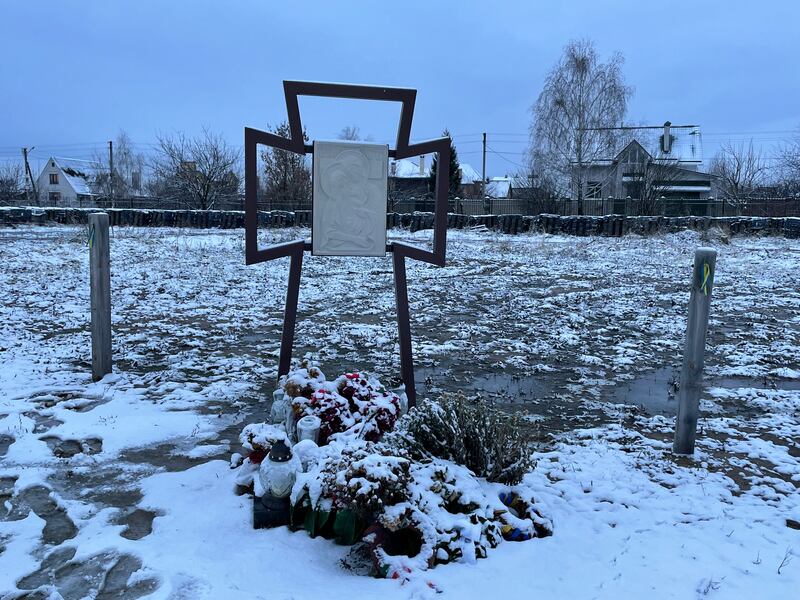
(350,213)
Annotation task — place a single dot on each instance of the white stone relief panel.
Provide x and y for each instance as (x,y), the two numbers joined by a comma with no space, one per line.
(349,207)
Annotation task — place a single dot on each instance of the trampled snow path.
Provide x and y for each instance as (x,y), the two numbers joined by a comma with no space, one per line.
(121,488)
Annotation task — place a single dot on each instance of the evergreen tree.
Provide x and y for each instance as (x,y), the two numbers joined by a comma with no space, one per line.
(287,177)
(455,172)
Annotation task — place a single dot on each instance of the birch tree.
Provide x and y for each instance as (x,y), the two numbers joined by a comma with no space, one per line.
(581,101)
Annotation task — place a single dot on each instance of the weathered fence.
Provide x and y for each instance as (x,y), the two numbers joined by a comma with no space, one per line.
(667,207)
(609,225)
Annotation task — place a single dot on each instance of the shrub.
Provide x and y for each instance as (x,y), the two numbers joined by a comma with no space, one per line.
(490,443)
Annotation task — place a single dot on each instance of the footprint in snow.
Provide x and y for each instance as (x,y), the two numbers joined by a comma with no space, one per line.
(69,448)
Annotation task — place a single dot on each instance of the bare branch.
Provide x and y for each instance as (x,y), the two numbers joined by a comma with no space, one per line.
(740,171)
(11,182)
(789,167)
(350,133)
(579,94)
(197,172)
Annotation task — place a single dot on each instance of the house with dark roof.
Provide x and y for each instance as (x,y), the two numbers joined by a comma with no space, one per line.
(65,182)
(670,171)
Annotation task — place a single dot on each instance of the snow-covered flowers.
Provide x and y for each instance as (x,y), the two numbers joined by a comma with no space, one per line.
(354,404)
(406,493)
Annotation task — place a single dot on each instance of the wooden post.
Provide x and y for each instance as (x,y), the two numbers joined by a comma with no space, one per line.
(100,282)
(692,373)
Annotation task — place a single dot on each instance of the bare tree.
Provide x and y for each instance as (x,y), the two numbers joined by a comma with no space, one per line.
(740,171)
(287,178)
(198,172)
(539,179)
(350,132)
(650,181)
(789,167)
(11,183)
(129,167)
(582,98)
(353,134)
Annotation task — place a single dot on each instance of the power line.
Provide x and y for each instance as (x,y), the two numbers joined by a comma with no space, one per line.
(506,159)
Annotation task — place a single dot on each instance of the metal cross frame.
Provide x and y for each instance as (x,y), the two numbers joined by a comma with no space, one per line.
(253,254)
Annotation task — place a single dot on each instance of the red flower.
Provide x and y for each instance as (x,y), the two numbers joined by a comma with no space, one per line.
(257,455)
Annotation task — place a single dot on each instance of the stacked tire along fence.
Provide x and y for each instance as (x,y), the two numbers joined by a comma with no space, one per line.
(579,225)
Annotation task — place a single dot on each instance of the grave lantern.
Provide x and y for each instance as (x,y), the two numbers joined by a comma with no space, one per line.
(279,471)
(280,406)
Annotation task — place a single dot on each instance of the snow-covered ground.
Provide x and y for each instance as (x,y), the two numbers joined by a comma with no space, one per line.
(122,488)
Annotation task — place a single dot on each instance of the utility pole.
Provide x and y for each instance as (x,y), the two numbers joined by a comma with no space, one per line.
(111,171)
(483,174)
(30,178)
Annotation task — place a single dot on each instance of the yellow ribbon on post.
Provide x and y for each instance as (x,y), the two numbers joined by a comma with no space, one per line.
(706,275)
(91,237)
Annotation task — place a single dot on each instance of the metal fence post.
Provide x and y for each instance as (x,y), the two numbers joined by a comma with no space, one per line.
(692,372)
(100,292)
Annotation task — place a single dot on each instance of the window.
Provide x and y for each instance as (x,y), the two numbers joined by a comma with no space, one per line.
(634,189)
(55,197)
(53,178)
(594,189)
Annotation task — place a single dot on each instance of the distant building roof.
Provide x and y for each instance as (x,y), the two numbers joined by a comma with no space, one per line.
(78,173)
(498,187)
(686,145)
(522,182)
(407,167)
(468,174)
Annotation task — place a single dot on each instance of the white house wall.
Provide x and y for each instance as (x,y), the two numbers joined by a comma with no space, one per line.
(69,196)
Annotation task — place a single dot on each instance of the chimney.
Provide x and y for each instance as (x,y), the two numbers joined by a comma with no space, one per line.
(422,166)
(666,139)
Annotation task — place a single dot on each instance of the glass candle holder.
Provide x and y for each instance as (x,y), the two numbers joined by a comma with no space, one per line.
(308,428)
(280,405)
(279,470)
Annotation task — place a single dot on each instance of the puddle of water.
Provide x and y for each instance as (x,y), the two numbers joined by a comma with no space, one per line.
(760,383)
(498,387)
(44,423)
(5,443)
(513,389)
(656,392)
(103,486)
(51,562)
(58,526)
(102,576)
(543,397)
(139,522)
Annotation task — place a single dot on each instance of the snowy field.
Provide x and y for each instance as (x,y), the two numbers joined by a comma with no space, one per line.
(122,488)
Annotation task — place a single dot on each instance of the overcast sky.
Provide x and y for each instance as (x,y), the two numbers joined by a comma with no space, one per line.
(75,73)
